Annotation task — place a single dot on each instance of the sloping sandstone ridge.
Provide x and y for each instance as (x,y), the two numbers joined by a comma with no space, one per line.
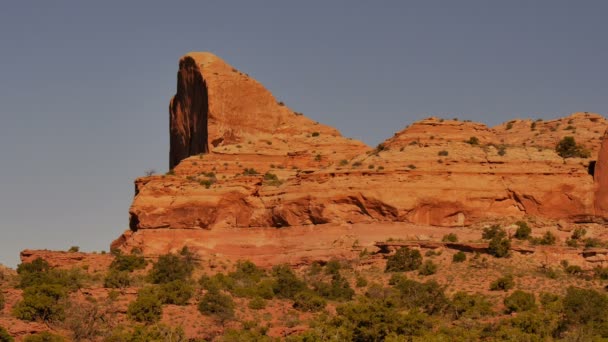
(244,164)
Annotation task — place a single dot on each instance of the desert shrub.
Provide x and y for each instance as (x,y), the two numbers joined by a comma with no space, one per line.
(343,162)
(42,302)
(315,134)
(493,231)
(452,237)
(459,257)
(428,297)
(519,301)
(337,289)
(286,284)
(170,267)
(257,303)
(568,148)
(249,172)
(583,306)
(578,233)
(547,239)
(502,150)
(147,308)
(599,272)
(523,230)
(470,305)
(74,249)
(308,301)
(39,272)
(361,282)
(87,320)
(473,141)
(333,266)
(128,262)
(503,283)
(271,179)
(117,279)
(2,301)
(44,336)
(499,243)
(534,325)
(443,153)
(593,242)
(177,292)
(218,305)
(5,336)
(427,268)
(404,260)
(148,333)
(499,247)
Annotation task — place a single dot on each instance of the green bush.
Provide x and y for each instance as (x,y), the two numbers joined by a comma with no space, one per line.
(428,297)
(257,303)
(473,141)
(2,301)
(361,282)
(44,336)
(5,336)
(128,262)
(145,333)
(499,243)
(523,230)
(404,260)
(170,267)
(117,279)
(578,233)
(443,153)
(308,301)
(218,305)
(503,283)
(519,301)
(547,239)
(427,268)
(337,289)
(147,308)
(38,272)
(177,292)
(450,238)
(42,302)
(286,284)
(470,305)
(568,148)
(459,257)
(582,306)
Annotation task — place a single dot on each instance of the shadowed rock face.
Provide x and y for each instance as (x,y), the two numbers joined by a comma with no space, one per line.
(188,114)
(601,180)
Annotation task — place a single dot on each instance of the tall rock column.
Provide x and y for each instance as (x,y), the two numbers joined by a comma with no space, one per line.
(601,179)
(188,114)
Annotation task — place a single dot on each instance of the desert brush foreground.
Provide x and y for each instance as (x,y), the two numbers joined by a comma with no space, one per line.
(270,226)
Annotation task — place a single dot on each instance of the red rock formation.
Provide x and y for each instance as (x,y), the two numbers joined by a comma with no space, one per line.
(435,172)
(601,180)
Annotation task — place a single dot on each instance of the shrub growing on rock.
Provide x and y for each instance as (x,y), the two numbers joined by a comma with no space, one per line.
(404,260)
(568,148)
(459,257)
(44,336)
(499,243)
(308,301)
(218,305)
(117,279)
(128,262)
(286,284)
(582,306)
(147,308)
(470,305)
(5,336)
(450,238)
(427,268)
(523,230)
(503,283)
(177,292)
(42,302)
(520,301)
(170,267)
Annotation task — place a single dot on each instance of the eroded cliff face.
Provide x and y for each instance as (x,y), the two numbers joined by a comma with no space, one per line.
(601,180)
(264,166)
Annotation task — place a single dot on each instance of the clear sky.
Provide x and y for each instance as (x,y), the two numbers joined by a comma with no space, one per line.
(85,86)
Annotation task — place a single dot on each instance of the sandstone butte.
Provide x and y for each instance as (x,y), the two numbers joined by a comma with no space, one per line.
(251,178)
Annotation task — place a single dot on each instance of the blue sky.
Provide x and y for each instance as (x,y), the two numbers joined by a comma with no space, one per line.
(85,87)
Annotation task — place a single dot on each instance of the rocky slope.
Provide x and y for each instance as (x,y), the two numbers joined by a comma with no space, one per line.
(243,160)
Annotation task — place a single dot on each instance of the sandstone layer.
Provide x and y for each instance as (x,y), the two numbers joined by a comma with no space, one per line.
(242,160)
